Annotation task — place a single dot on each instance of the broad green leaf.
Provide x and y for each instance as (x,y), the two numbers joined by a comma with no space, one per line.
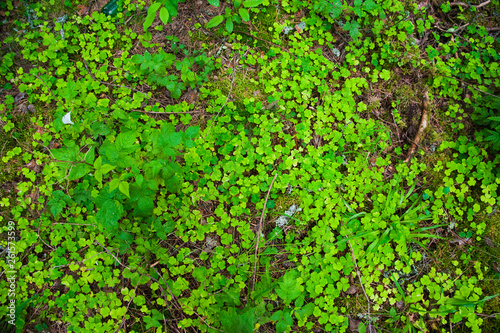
(229,25)
(98,163)
(154,320)
(124,188)
(137,59)
(214,2)
(234,322)
(113,184)
(100,128)
(57,202)
(245,16)
(252,3)
(145,206)
(369,5)
(151,15)
(168,172)
(79,170)
(289,289)
(90,156)
(125,142)
(171,6)
(173,184)
(164,15)
(337,9)
(174,139)
(153,168)
(112,153)
(192,132)
(109,214)
(285,322)
(215,21)
(65,154)
(107,168)
(70,91)
(305,311)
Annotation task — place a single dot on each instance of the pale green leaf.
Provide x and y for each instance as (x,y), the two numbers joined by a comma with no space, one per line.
(215,21)
(229,25)
(245,16)
(151,15)
(124,188)
(252,3)
(164,15)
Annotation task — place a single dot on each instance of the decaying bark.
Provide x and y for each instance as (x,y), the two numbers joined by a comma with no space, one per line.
(421,128)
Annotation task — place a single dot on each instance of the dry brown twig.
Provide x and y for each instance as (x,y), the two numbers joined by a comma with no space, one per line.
(467,5)
(362,287)
(423,125)
(259,230)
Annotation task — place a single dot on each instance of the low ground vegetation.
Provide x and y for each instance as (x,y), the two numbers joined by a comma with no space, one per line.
(250,166)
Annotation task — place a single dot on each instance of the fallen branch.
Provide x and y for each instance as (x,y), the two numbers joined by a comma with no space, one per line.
(259,229)
(421,128)
(467,5)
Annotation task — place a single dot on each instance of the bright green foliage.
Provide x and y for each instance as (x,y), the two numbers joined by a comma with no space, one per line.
(143,213)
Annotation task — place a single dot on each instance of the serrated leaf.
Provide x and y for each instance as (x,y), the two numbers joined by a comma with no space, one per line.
(109,214)
(233,322)
(214,3)
(65,154)
(174,139)
(154,168)
(106,168)
(369,5)
(56,204)
(192,132)
(229,25)
(215,21)
(168,172)
(171,7)
(145,206)
(137,59)
(125,142)
(289,289)
(90,156)
(245,15)
(304,311)
(151,15)
(113,184)
(173,184)
(79,170)
(164,15)
(98,163)
(252,3)
(124,188)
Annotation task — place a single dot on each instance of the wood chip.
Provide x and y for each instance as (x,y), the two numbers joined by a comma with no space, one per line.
(351,290)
